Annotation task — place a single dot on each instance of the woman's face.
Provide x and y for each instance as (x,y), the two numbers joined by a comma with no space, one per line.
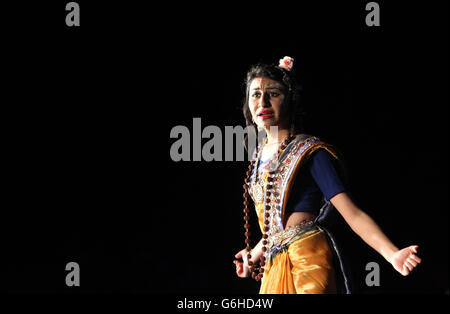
(266,102)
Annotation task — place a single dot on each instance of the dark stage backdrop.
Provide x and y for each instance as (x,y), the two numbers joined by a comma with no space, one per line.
(87,113)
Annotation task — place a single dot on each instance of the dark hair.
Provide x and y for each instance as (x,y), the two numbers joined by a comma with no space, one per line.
(292,90)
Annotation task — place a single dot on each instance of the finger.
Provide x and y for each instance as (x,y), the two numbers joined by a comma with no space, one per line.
(238,255)
(412,262)
(415,248)
(409,266)
(415,258)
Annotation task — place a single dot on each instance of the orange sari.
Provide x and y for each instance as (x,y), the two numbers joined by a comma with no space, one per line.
(302,265)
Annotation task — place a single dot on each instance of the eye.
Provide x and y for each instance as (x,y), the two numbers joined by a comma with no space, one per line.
(274,94)
(256,94)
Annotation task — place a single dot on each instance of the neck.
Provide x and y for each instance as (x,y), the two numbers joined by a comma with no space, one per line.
(276,136)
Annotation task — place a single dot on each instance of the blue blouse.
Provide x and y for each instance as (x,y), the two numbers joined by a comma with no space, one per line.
(320,177)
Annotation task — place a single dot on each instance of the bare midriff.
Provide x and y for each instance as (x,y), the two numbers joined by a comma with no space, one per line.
(296,218)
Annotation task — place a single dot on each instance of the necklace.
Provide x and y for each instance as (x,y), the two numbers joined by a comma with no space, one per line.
(258,194)
(258,181)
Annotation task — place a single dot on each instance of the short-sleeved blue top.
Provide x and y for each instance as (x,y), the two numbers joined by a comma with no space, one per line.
(320,177)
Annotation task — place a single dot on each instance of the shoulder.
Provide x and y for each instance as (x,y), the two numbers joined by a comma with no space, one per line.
(324,163)
(305,146)
(305,140)
(315,148)
(322,155)
(311,144)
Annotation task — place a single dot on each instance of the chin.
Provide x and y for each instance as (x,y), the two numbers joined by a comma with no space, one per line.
(268,123)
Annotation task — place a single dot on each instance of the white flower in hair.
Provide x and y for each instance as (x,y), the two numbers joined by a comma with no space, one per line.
(286,63)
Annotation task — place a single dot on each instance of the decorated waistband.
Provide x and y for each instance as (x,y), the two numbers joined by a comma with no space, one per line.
(292,233)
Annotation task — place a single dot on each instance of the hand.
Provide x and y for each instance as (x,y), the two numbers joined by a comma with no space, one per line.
(242,269)
(405,260)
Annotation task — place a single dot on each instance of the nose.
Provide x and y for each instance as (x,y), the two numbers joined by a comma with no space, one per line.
(264,101)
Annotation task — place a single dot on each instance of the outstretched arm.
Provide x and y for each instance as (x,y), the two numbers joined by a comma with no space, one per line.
(403,260)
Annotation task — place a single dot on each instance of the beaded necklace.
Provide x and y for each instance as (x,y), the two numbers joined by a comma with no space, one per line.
(258,193)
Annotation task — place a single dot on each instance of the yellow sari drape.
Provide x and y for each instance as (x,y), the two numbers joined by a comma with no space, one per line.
(303,266)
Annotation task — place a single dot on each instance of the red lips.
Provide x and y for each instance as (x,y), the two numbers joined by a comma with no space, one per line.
(265,114)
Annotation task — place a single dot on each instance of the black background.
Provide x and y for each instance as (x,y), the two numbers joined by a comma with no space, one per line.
(87,113)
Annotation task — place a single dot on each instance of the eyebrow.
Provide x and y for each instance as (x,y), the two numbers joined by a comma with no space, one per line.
(275,86)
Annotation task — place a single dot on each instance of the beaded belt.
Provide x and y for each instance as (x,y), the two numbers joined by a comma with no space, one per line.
(277,238)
